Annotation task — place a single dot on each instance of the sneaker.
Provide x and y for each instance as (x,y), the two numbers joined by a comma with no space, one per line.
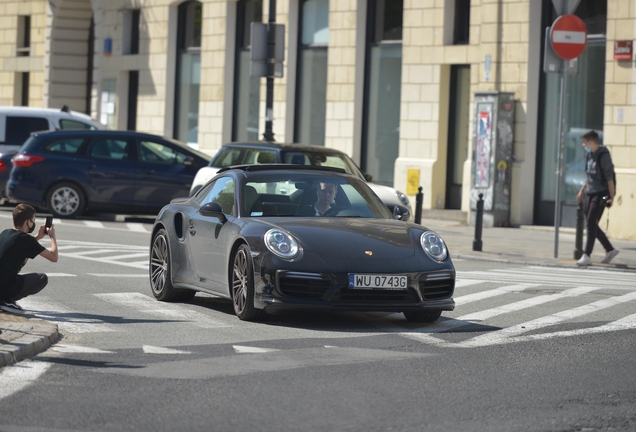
(12,307)
(610,256)
(584,261)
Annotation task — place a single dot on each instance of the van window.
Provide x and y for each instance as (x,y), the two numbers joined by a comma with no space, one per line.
(68,146)
(154,152)
(74,124)
(19,128)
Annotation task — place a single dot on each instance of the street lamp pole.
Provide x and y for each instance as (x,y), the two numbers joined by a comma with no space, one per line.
(268,135)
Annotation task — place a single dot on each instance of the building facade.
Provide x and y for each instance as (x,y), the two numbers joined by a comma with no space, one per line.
(390,82)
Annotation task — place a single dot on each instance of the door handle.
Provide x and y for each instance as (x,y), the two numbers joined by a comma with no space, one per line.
(150,172)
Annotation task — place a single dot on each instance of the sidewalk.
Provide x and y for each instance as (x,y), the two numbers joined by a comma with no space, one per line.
(24,337)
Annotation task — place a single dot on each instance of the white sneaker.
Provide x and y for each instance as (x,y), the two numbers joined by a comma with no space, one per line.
(610,256)
(12,307)
(584,261)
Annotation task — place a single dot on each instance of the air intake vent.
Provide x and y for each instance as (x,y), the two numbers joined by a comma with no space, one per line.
(303,287)
(377,296)
(437,286)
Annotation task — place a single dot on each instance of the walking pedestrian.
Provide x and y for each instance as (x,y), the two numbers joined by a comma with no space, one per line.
(599,189)
(17,245)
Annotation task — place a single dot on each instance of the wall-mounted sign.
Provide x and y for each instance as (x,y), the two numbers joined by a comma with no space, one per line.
(623,50)
(108,46)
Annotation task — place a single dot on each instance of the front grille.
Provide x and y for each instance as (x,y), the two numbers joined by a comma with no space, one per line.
(436,286)
(303,287)
(377,296)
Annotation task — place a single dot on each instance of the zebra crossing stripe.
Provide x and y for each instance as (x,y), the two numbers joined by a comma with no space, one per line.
(93,224)
(506,335)
(149,306)
(480,316)
(136,227)
(469,298)
(66,319)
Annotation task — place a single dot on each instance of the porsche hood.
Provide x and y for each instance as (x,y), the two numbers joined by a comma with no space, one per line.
(350,238)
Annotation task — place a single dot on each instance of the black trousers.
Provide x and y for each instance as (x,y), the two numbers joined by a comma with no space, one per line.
(593,211)
(33,284)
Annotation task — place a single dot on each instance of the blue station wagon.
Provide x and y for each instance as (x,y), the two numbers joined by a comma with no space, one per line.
(70,172)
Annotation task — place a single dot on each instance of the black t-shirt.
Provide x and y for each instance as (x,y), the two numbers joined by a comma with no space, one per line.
(15,247)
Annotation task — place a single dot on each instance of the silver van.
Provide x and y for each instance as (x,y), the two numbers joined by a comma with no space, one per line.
(17,123)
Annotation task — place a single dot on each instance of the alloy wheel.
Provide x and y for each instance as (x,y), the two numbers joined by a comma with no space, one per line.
(65,201)
(239,282)
(159,264)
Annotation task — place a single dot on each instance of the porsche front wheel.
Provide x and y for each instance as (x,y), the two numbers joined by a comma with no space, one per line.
(242,280)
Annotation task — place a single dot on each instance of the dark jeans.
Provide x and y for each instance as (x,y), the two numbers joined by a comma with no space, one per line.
(33,284)
(593,211)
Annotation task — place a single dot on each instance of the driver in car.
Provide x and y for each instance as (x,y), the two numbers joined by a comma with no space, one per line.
(326,195)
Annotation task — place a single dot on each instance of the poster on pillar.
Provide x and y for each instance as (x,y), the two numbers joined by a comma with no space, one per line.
(483,146)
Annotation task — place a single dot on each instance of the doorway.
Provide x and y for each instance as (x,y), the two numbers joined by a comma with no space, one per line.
(458,113)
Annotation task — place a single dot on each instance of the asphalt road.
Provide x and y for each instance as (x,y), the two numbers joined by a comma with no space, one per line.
(533,349)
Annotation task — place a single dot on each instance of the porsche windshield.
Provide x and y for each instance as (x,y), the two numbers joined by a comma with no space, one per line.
(310,195)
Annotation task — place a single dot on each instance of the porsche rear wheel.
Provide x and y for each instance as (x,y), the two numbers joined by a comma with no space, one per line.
(160,274)
(422,317)
(242,280)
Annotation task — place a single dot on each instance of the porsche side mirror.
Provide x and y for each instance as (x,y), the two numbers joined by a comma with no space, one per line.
(401,213)
(213,209)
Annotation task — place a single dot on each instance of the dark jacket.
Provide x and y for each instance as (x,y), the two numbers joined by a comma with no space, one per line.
(599,169)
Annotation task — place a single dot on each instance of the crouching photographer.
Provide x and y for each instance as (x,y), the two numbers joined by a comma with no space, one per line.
(17,245)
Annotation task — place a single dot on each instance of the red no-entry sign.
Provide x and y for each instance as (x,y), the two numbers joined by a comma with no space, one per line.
(568,36)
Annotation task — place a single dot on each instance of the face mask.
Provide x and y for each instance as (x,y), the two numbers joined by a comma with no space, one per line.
(587,150)
(32,228)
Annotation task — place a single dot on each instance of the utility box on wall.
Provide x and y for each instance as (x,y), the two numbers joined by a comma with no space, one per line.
(493,137)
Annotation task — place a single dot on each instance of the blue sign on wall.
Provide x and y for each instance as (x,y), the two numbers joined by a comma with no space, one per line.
(108,46)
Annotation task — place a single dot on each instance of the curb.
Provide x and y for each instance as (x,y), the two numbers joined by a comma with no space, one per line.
(36,338)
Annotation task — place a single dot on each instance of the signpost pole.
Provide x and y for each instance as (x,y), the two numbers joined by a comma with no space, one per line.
(268,135)
(559,173)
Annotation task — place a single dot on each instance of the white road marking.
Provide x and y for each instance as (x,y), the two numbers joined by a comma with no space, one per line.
(18,376)
(149,349)
(60,275)
(480,316)
(551,278)
(469,298)
(136,227)
(113,275)
(93,224)
(66,319)
(461,283)
(252,350)
(147,305)
(78,349)
(505,335)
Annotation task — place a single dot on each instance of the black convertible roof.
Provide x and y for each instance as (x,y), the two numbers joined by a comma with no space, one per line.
(280,166)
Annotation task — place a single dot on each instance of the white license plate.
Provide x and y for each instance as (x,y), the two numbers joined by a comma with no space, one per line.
(373,281)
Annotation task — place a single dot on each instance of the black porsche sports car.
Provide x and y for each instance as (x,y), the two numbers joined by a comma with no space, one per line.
(272,237)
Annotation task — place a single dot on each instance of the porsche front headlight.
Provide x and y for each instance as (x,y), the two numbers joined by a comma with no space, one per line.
(282,244)
(434,246)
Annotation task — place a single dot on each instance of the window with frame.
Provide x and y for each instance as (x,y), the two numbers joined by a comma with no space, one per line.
(19,129)
(311,81)
(221,191)
(383,83)
(23,47)
(66,146)
(188,79)
(113,149)
(247,89)
(461,27)
(154,152)
(74,124)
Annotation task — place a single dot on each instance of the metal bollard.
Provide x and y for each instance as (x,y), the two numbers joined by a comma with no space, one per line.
(419,199)
(578,240)
(479,220)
